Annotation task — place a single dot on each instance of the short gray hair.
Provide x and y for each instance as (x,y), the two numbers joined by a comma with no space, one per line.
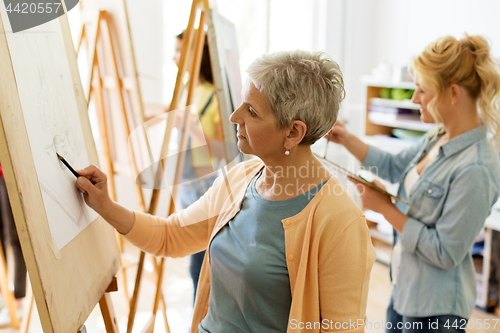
(300,85)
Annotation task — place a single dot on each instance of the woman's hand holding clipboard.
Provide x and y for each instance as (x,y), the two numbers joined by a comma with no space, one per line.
(358,179)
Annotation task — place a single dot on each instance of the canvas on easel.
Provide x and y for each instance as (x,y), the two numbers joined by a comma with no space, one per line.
(226,69)
(70,253)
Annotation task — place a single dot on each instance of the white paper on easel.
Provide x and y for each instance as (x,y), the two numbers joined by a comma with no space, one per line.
(51,117)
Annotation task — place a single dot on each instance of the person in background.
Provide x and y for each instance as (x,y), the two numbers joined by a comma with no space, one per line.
(8,235)
(287,249)
(451,180)
(198,173)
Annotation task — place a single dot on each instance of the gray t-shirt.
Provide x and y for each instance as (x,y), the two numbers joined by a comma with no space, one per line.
(250,286)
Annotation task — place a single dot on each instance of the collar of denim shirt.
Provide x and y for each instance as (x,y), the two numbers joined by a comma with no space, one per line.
(464,140)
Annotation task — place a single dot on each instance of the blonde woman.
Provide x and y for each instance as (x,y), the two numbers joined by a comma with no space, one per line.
(451,179)
(287,249)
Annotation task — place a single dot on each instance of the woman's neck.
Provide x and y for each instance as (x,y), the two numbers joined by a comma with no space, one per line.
(466,118)
(289,176)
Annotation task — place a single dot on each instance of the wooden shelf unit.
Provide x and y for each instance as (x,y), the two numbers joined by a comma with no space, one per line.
(371,128)
(373,88)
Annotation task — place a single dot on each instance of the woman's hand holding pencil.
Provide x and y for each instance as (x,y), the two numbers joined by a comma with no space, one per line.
(93,183)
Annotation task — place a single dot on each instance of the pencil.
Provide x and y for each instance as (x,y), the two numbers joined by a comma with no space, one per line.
(68,166)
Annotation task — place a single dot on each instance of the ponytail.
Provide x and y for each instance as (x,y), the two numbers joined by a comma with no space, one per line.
(468,63)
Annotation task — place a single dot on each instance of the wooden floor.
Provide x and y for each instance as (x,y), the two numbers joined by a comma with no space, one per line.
(178,293)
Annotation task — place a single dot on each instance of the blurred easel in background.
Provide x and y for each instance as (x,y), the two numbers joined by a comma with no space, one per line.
(112,76)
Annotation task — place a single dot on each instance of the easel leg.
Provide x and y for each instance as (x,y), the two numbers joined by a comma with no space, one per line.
(135,296)
(163,307)
(8,296)
(108,314)
(150,324)
(149,327)
(164,313)
(158,285)
(107,310)
(123,273)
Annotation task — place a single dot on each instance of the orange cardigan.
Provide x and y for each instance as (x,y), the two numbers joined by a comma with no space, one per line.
(328,250)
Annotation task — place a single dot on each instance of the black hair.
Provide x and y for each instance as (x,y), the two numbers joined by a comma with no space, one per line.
(206,65)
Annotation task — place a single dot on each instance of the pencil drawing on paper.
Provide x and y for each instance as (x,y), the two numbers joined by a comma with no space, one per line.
(52,122)
(62,140)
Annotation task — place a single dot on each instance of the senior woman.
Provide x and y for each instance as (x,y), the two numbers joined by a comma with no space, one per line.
(287,249)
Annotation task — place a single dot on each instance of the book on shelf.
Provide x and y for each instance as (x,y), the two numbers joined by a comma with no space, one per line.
(389,113)
(405,103)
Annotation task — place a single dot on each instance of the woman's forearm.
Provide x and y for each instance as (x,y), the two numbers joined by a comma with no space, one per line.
(120,218)
(395,217)
(356,147)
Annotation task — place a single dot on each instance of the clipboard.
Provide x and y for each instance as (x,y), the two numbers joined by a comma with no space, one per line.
(360,179)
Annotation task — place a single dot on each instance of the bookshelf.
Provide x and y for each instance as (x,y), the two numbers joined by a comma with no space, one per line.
(383,123)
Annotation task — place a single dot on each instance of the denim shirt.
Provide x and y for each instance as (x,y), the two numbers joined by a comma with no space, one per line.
(448,207)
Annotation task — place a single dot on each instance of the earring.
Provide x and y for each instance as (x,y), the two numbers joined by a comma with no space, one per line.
(287,152)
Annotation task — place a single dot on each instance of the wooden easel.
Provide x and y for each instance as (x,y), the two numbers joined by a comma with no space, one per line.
(54,273)
(106,76)
(188,52)
(107,310)
(104,36)
(96,84)
(105,305)
(102,52)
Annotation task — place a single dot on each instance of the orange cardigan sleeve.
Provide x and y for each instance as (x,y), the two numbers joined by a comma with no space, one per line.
(181,234)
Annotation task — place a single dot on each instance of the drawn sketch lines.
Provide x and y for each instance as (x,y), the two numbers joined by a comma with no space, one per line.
(52,123)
